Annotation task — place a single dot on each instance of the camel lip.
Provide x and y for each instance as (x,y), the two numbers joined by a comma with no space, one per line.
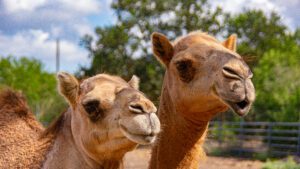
(138,138)
(241,108)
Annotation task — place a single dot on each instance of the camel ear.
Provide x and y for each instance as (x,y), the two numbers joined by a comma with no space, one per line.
(68,87)
(162,48)
(230,43)
(134,82)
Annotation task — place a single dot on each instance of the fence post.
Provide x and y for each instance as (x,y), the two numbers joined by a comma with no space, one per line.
(298,146)
(241,136)
(269,137)
(220,130)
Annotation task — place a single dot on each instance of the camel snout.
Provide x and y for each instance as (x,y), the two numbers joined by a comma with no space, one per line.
(142,106)
(154,124)
(141,128)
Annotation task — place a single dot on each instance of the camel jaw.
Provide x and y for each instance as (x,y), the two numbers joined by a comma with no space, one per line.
(240,108)
(138,138)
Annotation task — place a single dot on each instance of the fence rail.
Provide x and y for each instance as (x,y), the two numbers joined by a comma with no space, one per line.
(273,138)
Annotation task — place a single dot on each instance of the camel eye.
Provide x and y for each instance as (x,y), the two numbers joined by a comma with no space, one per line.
(91,106)
(186,70)
(93,110)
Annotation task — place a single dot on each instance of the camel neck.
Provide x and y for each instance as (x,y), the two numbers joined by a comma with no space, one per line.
(64,151)
(180,143)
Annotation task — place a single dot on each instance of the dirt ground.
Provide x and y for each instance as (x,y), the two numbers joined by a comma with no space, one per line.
(139,159)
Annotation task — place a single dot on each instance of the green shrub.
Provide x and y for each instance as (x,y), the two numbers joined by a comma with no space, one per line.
(38,85)
(277,83)
(279,164)
(223,134)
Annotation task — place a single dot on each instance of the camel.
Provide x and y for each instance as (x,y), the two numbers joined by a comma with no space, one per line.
(106,118)
(203,77)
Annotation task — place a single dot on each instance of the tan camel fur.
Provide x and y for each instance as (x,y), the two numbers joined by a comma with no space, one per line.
(203,77)
(107,117)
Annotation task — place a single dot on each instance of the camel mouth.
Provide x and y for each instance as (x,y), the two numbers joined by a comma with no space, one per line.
(143,139)
(240,108)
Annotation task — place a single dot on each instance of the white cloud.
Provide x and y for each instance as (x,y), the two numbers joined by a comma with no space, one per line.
(56,31)
(135,30)
(82,6)
(30,27)
(37,44)
(83,29)
(166,17)
(285,8)
(22,5)
(85,6)
(66,18)
(236,6)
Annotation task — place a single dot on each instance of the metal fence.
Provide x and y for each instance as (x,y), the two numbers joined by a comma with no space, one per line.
(271,138)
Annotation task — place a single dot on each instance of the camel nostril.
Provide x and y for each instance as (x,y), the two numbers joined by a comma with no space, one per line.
(230,73)
(242,104)
(136,108)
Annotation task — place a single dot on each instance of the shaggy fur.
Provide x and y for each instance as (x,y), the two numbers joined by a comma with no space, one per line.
(19,132)
(54,127)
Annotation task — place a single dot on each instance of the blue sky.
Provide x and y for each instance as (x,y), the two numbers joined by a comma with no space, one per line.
(30,27)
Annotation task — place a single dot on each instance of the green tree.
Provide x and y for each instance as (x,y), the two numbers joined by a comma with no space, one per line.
(39,86)
(125,49)
(277,82)
(111,55)
(256,32)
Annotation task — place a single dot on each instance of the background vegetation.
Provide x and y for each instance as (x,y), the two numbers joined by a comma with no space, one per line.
(124,49)
(289,163)
(39,86)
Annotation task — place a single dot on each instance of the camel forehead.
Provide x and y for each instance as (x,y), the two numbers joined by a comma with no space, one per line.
(201,42)
(195,36)
(103,79)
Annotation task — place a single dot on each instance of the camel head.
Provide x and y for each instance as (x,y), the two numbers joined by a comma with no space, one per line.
(205,75)
(109,115)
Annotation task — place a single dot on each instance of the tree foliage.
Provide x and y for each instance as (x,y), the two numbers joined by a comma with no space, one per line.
(277,82)
(125,49)
(39,86)
(256,31)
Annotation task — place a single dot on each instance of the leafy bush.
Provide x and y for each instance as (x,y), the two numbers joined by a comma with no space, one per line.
(39,86)
(277,82)
(289,164)
(223,134)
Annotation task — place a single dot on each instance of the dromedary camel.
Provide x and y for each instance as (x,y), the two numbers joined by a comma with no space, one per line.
(203,77)
(107,117)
